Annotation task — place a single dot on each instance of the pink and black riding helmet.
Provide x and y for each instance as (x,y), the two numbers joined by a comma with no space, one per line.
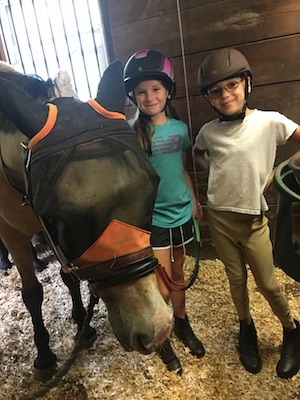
(147,65)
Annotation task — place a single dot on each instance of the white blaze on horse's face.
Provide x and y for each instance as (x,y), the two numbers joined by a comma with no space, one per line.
(138,314)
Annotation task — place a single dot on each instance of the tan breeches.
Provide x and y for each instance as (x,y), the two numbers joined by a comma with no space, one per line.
(242,239)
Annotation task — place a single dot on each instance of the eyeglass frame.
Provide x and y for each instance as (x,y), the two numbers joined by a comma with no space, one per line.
(219,90)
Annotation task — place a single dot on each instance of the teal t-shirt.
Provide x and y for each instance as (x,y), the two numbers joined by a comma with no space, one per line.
(174,203)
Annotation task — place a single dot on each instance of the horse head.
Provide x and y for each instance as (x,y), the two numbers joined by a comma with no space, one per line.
(93,188)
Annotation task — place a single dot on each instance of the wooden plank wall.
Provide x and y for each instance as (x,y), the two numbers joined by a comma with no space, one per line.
(266,31)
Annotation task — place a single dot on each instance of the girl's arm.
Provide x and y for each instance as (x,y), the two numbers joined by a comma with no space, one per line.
(296,136)
(197,209)
(201,158)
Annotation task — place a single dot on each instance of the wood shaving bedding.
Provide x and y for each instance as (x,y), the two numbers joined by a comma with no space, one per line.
(106,371)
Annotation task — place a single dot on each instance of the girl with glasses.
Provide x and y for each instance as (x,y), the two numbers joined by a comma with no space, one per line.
(239,149)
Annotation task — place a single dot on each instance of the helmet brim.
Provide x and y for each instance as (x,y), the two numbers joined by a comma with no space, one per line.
(132,82)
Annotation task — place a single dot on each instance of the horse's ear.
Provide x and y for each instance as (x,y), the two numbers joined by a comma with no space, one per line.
(111,89)
(26,113)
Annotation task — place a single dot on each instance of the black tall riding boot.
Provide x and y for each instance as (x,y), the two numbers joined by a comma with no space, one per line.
(169,358)
(249,355)
(184,332)
(289,363)
(5,264)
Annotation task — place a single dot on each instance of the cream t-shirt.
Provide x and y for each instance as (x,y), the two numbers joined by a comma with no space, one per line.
(242,156)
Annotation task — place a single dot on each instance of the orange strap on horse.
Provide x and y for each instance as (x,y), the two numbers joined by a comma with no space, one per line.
(106,113)
(52,117)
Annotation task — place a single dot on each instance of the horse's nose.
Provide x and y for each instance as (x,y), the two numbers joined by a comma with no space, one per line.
(141,343)
(146,342)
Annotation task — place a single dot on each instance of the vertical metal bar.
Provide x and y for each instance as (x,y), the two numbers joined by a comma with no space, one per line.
(3,54)
(13,30)
(81,48)
(52,36)
(93,36)
(27,35)
(66,39)
(40,37)
(105,19)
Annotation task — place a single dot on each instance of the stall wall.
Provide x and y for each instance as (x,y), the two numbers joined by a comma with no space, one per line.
(266,31)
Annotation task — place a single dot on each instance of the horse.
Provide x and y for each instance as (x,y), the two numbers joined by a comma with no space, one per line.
(76,170)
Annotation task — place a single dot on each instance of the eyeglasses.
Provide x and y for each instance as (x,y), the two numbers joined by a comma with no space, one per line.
(216,92)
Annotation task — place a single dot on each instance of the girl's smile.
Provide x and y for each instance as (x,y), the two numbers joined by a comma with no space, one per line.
(228,96)
(151,97)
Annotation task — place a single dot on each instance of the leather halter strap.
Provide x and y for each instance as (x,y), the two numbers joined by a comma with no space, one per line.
(180,286)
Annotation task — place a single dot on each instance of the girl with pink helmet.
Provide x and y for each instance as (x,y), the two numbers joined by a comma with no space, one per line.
(150,84)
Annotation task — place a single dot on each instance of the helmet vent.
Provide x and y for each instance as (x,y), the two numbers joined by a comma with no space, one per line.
(228,59)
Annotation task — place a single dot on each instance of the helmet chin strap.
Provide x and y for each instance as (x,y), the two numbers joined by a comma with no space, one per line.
(235,117)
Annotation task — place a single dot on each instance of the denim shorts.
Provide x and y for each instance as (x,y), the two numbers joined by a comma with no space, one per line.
(165,238)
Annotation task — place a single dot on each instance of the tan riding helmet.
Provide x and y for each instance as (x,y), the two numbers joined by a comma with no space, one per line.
(220,65)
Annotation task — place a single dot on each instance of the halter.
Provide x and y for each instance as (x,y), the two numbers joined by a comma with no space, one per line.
(134,265)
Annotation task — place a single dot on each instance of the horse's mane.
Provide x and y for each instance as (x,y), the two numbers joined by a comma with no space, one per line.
(37,87)
(34,85)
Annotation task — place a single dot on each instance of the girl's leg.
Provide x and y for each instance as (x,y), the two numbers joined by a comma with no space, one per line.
(178,298)
(164,258)
(258,250)
(5,264)
(223,233)
(226,237)
(182,328)
(166,352)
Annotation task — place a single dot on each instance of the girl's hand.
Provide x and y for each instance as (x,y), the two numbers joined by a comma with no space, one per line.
(198,213)
(270,180)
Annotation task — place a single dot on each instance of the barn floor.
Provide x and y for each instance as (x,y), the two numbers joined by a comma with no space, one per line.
(106,371)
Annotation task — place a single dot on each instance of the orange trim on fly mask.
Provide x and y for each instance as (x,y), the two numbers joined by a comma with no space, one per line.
(117,240)
(52,117)
(101,110)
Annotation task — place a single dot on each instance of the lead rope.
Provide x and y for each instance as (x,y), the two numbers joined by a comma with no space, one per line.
(187,95)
